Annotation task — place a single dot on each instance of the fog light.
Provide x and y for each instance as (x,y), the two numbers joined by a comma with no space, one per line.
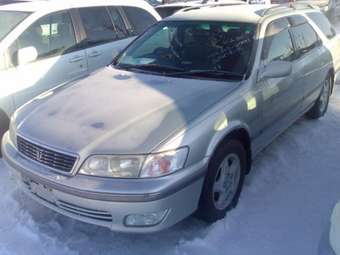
(145,219)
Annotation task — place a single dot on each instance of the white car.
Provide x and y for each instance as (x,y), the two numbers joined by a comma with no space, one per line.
(167,10)
(44,44)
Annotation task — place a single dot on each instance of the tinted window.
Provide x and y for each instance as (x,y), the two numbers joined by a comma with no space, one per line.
(221,47)
(168,11)
(277,44)
(305,38)
(51,35)
(118,23)
(139,19)
(323,23)
(97,24)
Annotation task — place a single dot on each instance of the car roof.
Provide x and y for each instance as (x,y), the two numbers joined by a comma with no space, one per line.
(235,13)
(50,5)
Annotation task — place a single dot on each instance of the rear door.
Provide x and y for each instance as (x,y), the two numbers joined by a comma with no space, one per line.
(310,58)
(326,30)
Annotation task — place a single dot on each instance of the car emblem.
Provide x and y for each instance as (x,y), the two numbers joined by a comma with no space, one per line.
(39,155)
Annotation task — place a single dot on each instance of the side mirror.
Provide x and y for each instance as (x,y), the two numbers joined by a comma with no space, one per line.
(277,69)
(27,55)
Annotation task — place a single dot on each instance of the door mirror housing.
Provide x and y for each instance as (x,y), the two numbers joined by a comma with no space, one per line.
(277,69)
(27,55)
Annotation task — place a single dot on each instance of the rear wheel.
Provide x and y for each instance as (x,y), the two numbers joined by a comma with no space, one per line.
(224,181)
(321,105)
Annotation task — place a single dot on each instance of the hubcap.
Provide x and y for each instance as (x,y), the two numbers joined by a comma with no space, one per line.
(226,181)
(324,96)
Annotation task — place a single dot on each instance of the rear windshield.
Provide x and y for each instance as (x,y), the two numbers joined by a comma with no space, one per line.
(9,20)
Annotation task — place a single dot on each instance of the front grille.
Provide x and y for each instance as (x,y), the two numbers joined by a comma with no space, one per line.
(47,157)
(85,212)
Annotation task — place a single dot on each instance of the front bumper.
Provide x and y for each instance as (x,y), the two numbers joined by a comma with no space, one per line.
(107,202)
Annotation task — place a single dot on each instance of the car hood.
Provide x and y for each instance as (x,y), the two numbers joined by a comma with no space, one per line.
(118,112)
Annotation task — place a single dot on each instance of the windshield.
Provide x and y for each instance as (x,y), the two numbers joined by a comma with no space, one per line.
(211,49)
(168,11)
(9,20)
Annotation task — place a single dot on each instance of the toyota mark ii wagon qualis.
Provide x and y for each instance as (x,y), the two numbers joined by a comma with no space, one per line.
(172,126)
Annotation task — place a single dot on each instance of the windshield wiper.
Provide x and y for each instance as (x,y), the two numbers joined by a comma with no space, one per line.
(152,67)
(211,72)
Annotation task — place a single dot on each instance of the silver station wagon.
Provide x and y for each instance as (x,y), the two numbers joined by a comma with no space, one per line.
(171,128)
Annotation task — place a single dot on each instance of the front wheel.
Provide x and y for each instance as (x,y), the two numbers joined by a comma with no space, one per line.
(224,181)
(321,105)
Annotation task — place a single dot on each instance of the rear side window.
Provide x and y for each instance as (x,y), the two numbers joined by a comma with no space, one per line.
(140,19)
(51,35)
(278,43)
(98,26)
(118,23)
(323,23)
(305,38)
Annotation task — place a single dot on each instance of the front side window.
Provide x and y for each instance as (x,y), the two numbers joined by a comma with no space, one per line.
(9,20)
(277,43)
(220,48)
(140,19)
(323,23)
(51,35)
(98,26)
(305,38)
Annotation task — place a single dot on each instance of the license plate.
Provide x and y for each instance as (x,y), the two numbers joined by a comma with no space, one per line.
(42,191)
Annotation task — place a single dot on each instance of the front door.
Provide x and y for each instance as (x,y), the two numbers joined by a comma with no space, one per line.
(58,59)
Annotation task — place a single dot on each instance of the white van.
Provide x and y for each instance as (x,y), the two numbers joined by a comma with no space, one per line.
(44,44)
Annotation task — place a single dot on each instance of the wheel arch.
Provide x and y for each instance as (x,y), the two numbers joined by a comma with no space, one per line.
(240,133)
(4,125)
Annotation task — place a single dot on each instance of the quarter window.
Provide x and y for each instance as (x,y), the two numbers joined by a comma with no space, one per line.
(305,38)
(50,36)
(98,25)
(140,19)
(277,43)
(323,23)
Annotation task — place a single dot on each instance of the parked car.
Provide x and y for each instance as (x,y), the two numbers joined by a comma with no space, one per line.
(269,2)
(173,126)
(330,7)
(44,44)
(167,10)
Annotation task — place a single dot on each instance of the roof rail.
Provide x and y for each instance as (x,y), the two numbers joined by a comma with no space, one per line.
(287,7)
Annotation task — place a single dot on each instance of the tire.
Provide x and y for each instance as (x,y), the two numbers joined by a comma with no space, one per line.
(4,125)
(321,105)
(213,204)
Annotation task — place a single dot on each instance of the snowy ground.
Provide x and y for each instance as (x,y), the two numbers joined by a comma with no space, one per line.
(284,209)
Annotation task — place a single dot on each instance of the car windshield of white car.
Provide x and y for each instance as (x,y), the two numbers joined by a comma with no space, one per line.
(219,50)
(9,20)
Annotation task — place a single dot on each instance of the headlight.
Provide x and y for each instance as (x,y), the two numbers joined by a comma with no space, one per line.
(154,165)
(113,166)
(164,163)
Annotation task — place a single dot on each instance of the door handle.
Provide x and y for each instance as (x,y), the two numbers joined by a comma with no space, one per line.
(76,59)
(94,54)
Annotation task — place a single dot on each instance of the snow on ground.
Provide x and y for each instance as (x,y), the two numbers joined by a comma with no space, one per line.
(284,209)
